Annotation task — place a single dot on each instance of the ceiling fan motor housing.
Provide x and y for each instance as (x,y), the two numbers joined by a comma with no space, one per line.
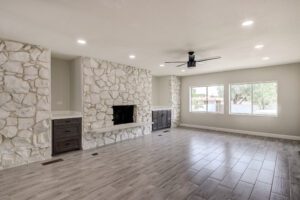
(191,63)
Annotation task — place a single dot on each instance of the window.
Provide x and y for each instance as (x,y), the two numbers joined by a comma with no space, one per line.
(215,99)
(207,99)
(254,98)
(265,98)
(198,99)
(241,99)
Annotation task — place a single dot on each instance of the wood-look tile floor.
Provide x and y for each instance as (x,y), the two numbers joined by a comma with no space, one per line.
(181,164)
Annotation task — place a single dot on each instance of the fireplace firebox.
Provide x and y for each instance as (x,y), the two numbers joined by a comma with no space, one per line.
(123,114)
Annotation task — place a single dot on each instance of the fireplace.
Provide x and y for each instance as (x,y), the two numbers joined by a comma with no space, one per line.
(123,114)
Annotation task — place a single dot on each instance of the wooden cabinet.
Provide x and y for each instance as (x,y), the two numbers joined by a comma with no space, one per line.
(154,120)
(66,135)
(161,119)
(169,119)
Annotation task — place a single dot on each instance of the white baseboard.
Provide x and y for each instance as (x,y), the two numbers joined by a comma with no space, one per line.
(272,135)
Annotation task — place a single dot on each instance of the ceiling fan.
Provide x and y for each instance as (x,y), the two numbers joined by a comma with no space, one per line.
(192,62)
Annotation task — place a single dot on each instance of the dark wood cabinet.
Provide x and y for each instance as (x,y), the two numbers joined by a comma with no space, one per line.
(169,119)
(66,135)
(154,120)
(161,119)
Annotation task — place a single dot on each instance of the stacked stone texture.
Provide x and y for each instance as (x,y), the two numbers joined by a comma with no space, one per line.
(24,103)
(106,84)
(175,87)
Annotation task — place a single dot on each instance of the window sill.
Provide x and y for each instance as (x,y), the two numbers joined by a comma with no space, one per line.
(253,115)
(204,112)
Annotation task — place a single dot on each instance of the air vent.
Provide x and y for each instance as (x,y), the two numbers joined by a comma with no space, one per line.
(52,161)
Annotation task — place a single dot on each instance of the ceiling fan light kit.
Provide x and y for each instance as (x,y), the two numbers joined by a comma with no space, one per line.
(191,60)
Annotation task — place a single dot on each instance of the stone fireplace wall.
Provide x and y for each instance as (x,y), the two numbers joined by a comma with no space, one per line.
(24,103)
(175,87)
(106,84)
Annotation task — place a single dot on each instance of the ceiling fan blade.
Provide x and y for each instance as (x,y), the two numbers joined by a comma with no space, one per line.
(176,62)
(206,59)
(181,65)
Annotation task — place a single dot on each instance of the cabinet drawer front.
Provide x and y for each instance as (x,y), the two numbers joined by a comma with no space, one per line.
(66,145)
(66,131)
(67,121)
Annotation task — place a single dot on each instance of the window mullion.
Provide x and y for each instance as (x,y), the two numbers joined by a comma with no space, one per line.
(190,99)
(251,99)
(206,99)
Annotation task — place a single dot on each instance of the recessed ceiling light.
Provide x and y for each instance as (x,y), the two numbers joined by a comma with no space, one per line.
(266,58)
(247,23)
(132,56)
(259,46)
(183,70)
(81,41)
(162,65)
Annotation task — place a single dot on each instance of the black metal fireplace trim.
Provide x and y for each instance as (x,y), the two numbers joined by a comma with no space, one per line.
(123,114)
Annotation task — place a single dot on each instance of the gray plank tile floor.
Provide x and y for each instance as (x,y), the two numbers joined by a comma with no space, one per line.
(181,164)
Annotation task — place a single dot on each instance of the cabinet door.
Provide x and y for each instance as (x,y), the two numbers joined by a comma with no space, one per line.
(164,118)
(154,120)
(169,118)
(66,135)
(160,119)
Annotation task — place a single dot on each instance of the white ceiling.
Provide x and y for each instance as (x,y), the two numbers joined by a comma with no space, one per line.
(160,30)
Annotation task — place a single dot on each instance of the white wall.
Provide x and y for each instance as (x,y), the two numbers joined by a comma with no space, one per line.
(155,90)
(161,91)
(288,120)
(60,84)
(66,84)
(76,85)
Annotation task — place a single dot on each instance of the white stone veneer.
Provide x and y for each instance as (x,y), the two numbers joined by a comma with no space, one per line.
(24,103)
(175,87)
(106,84)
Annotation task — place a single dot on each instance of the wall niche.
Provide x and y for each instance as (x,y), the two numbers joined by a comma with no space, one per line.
(66,85)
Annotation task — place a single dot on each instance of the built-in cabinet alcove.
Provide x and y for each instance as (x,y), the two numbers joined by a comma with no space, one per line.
(166,98)
(161,102)
(66,105)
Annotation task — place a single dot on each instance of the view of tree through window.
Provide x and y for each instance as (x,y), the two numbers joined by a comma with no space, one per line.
(207,99)
(215,99)
(198,99)
(256,98)
(241,98)
(265,98)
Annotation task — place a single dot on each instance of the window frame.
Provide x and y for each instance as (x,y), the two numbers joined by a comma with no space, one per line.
(255,115)
(206,112)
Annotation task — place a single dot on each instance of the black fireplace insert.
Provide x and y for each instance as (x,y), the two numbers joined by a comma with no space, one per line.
(123,114)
